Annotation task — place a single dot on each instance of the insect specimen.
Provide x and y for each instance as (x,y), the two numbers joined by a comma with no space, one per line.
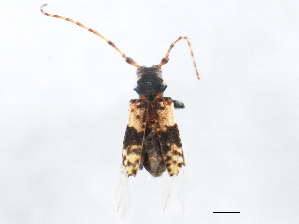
(152,137)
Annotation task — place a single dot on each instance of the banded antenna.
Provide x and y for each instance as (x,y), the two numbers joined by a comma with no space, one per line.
(166,58)
(128,59)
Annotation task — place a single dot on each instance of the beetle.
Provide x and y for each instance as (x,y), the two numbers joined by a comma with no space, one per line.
(152,138)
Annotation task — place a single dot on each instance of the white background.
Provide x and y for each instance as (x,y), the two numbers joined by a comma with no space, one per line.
(64,96)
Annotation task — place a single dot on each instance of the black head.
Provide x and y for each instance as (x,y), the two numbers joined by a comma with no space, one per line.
(150,82)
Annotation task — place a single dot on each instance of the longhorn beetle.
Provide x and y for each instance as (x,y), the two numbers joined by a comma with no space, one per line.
(152,137)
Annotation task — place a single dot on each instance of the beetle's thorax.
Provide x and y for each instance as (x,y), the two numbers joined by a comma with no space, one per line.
(150,83)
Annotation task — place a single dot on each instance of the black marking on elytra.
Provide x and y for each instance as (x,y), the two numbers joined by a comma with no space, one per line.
(141,104)
(168,158)
(129,163)
(160,106)
(134,163)
(170,136)
(134,152)
(176,153)
(132,137)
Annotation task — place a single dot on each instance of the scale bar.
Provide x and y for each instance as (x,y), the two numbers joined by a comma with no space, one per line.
(226,212)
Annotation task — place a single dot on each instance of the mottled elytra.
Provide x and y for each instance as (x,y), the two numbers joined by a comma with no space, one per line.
(152,137)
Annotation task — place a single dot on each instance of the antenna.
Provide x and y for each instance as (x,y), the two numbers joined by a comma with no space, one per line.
(166,58)
(128,59)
